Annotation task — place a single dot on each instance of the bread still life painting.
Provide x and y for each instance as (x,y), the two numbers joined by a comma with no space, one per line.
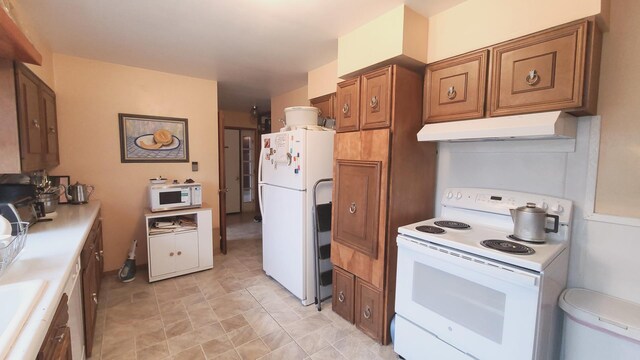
(145,138)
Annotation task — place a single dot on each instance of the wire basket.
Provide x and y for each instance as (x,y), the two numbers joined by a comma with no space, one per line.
(11,247)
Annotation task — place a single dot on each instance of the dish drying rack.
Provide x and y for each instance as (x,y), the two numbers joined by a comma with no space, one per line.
(11,247)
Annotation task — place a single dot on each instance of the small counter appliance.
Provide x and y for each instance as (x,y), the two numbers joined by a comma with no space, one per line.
(164,197)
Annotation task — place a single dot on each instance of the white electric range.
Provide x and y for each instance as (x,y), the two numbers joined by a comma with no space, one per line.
(459,295)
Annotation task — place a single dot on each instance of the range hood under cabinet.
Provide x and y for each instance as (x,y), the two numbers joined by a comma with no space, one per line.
(549,125)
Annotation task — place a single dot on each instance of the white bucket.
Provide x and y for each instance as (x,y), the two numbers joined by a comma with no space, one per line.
(301,115)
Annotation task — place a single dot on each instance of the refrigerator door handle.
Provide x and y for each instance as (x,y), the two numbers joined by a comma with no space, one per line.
(260,186)
(260,164)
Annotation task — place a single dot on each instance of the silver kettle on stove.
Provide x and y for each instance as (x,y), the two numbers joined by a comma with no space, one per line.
(530,223)
(79,193)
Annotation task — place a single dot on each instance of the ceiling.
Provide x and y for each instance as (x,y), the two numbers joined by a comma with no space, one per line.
(255,49)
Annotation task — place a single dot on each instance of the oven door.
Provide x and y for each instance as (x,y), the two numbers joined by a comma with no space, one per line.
(481,307)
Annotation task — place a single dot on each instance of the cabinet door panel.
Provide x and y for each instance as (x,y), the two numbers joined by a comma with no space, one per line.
(455,88)
(348,106)
(342,301)
(357,205)
(325,105)
(162,254)
(186,250)
(542,72)
(368,309)
(90,300)
(376,99)
(51,155)
(29,120)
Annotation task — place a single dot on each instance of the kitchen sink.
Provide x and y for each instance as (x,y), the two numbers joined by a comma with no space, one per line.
(16,303)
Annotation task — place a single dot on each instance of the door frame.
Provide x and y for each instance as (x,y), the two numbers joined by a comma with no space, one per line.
(222,191)
(255,162)
(239,165)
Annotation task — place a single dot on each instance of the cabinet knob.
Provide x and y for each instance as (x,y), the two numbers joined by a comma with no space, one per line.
(94,296)
(367,312)
(532,78)
(341,296)
(345,108)
(36,123)
(451,92)
(179,252)
(319,112)
(171,253)
(374,102)
(52,130)
(353,208)
(97,256)
(101,253)
(59,338)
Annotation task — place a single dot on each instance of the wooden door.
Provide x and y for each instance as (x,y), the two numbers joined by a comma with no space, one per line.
(90,301)
(376,99)
(348,106)
(48,114)
(232,170)
(455,88)
(29,120)
(540,72)
(222,190)
(357,205)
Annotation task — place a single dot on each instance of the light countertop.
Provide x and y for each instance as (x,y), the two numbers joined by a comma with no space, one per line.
(49,254)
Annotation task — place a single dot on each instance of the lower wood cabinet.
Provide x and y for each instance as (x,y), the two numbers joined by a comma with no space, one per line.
(57,342)
(342,300)
(91,259)
(358,302)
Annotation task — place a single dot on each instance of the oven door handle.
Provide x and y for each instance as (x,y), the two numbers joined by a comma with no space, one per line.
(471,262)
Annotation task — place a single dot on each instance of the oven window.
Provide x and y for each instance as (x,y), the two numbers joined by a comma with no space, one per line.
(170,197)
(476,307)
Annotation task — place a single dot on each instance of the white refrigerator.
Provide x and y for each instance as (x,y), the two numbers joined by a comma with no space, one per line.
(290,164)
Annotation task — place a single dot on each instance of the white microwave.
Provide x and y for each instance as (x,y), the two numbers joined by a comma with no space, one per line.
(163,197)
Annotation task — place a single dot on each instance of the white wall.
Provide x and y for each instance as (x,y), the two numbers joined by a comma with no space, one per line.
(603,255)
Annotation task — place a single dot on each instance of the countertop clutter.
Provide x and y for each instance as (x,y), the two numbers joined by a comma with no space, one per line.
(50,254)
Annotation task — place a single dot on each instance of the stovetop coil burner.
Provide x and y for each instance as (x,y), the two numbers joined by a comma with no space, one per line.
(508,247)
(452,224)
(513,237)
(430,229)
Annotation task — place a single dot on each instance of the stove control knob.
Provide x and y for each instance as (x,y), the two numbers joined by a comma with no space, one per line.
(450,195)
(558,209)
(459,195)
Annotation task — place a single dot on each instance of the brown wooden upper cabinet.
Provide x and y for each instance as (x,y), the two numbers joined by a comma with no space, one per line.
(365,102)
(376,99)
(455,88)
(37,121)
(325,105)
(348,105)
(556,69)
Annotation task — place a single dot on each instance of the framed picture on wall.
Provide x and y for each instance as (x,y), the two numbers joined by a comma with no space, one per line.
(145,138)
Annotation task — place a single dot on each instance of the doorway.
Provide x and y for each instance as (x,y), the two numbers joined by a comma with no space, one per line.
(241,183)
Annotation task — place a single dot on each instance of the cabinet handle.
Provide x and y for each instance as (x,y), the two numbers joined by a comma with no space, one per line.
(319,112)
(367,312)
(179,252)
(94,296)
(532,78)
(36,123)
(59,338)
(345,108)
(341,296)
(353,208)
(451,93)
(97,256)
(374,102)
(171,253)
(52,130)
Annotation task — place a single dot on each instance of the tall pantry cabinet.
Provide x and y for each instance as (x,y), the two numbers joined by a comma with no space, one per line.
(383,178)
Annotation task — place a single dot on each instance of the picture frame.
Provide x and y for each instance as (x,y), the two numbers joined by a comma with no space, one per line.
(153,139)
(63,180)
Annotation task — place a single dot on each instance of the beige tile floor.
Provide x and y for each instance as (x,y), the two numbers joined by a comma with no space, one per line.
(233,311)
